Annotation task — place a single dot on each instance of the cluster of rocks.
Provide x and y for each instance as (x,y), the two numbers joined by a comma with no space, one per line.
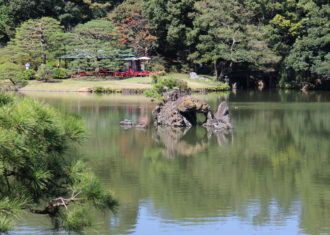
(180,110)
(194,75)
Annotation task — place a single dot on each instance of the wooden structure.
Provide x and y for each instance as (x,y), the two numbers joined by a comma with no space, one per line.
(133,66)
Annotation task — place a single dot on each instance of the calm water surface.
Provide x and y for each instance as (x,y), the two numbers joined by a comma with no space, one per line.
(270,175)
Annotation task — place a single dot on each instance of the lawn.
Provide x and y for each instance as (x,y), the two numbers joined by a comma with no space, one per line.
(84,83)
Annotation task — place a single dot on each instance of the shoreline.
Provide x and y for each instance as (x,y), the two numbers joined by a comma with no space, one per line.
(119,91)
(135,85)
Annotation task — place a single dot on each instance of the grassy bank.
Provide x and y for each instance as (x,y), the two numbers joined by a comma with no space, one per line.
(86,83)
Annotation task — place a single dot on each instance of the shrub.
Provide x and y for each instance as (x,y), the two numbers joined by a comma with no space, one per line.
(222,87)
(98,89)
(154,78)
(165,84)
(185,68)
(45,72)
(60,73)
(174,69)
(10,71)
(156,64)
(27,74)
(152,93)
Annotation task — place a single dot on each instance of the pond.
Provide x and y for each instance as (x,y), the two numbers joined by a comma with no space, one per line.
(269,175)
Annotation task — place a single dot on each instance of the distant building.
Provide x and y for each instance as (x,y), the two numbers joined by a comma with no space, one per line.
(134,66)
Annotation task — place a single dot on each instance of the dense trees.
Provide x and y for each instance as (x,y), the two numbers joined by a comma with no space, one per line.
(34,168)
(134,27)
(226,36)
(96,40)
(36,39)
(172,23)
(288,39)
(69,13)
(310,54)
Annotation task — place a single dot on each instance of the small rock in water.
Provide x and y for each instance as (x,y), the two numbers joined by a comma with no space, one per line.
(127,122)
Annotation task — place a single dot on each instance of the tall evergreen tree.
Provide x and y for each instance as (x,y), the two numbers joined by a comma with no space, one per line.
(226,36)
(171,23)
(97,42)
(35,40)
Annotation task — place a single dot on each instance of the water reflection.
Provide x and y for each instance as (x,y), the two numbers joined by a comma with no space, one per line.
(188,141)
(269,176)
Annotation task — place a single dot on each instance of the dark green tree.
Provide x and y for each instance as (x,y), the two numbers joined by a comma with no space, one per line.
(36,167)
(226,36)
(6,22)
(36,40)
(97,42)
(171,23)
(310,54)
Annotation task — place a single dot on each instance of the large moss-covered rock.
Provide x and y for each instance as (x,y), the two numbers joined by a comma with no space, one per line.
(180,110)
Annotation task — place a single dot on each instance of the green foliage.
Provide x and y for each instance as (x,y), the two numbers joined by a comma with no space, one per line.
(27,74)
(156,64)
(33,167)
(98,89)
(6,224)
(35,41)
(284,38)
(96,39)
(310,54)
(5,99)
(45,73)
(6,22)
(69,13)
(152,93)
(222,87)
(171,24)
(154,78)
(11,72)
(60,73)
(77,218)
(226,36)
(108,90)
(162,85)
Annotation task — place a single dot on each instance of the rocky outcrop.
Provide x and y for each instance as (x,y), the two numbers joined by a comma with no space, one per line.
(220,120)
(180,110)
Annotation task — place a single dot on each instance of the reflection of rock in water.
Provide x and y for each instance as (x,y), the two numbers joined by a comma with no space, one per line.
(185,141)
(224,137)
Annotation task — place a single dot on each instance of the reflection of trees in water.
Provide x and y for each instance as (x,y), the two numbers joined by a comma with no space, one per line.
(279,159)
(188,141)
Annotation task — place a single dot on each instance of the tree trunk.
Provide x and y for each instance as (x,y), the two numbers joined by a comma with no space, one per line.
(222,70)
(216,69)
(43,58)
